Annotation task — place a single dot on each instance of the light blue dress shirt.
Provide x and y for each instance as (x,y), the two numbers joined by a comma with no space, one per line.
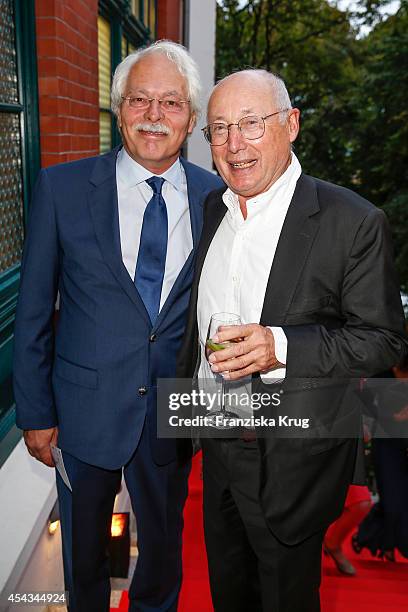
(133,196)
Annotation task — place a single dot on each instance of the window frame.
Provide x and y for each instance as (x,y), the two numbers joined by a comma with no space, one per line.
(27,83)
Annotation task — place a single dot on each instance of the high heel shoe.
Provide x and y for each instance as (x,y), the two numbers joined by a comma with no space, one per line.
(388,555)
(355,544)
(342,563)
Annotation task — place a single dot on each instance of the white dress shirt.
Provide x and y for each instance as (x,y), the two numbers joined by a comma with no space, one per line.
(133,196)
(238,263)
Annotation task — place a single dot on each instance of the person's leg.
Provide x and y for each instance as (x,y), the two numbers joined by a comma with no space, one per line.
(86,516)
(338,531)
(233,567)
(350,518)
(289,575)
(391,470)
(65,512)
(158,494)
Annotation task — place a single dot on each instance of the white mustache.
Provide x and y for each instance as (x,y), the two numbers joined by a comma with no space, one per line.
(152,127)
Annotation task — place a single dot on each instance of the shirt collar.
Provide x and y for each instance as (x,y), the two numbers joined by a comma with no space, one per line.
(131,173)
(292,173)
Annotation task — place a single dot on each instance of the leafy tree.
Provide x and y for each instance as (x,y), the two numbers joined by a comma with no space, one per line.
(312,45)
(381,147)
(351,91)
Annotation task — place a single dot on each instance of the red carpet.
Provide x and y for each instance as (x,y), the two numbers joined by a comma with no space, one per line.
(380,586)
(195,592)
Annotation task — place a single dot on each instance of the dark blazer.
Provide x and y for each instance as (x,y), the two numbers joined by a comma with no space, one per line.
(96,376)
(333,289)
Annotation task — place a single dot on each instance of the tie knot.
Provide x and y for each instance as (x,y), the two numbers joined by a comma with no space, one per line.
(156,183)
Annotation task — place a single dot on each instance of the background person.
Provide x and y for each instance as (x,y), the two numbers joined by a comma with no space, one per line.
(385,529)
(356,506)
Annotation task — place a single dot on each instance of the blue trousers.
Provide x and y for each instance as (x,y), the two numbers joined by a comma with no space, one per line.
(158,494)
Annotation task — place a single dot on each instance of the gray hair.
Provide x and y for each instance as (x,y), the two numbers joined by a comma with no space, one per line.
(175,53)
(277,84)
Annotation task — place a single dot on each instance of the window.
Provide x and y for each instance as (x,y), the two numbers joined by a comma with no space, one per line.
(149,15)
(152,17)
(135,8)
(11,183)
(120,32)
(19,164)
(145,11)
(127,47)
(105,71)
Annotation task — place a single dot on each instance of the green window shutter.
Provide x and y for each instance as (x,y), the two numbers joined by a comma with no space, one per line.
(11,179)
(11,191)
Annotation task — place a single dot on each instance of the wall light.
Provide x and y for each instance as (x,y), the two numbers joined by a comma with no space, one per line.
(119,523)
(119,547)
(53,526)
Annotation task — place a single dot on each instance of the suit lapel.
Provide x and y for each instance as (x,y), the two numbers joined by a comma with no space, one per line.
(195,203)
(216,213)
(296,239)
(103,204)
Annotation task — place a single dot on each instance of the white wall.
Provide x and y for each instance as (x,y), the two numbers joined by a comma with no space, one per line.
(43,572)
(30,559)
(201,44)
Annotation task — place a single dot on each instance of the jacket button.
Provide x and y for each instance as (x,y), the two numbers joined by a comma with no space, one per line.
(153,338)
(142,391)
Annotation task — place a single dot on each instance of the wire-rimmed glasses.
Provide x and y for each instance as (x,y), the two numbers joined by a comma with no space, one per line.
(168,104)
(251,127)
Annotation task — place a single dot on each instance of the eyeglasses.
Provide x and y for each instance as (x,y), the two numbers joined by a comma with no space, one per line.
(251,127)
(169,104)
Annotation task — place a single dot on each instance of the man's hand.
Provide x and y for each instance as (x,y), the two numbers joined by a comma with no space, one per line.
(38,443)
(252,349)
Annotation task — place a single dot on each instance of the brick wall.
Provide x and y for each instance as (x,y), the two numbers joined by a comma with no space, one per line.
(67,53)
(169,20)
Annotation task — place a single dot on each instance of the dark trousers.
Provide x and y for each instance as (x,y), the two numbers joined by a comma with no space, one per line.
(158,494)
(250,570)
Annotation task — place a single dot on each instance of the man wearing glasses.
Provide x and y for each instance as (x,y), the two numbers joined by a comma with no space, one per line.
(115,235)
(308,267)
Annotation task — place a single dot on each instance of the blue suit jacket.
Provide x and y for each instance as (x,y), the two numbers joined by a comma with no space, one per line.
(88,376)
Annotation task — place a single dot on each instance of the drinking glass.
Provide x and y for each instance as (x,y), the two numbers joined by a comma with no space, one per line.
(220,318)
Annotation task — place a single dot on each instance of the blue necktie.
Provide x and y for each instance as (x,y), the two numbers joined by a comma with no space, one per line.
(151,259)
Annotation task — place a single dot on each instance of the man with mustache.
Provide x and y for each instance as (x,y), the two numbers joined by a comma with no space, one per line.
(308,267)
(115,235)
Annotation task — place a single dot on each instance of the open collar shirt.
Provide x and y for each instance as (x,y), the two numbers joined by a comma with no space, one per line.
(238,263)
